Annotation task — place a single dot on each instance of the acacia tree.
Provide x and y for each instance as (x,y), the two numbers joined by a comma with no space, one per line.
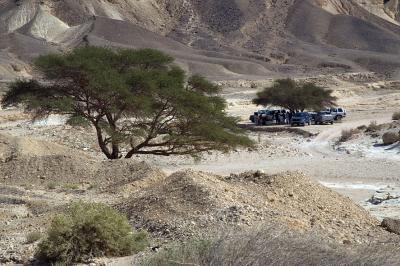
(137,101)
(295,96)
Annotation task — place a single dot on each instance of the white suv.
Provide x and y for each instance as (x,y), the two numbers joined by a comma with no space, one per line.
(337,112)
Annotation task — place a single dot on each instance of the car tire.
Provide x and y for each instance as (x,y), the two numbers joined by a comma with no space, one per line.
(331,122)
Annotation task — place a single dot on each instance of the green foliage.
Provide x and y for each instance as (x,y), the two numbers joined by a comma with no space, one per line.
(295,96)
(135,99)
(32,237)
(78,121)
(89,230)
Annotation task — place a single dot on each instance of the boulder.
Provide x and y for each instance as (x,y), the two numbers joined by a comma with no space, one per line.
(391,225)
(382,196)
(390,138)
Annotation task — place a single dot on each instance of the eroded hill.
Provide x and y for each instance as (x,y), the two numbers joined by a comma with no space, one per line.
(221,39)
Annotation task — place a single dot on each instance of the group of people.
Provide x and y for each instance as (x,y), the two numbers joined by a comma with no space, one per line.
(279,117)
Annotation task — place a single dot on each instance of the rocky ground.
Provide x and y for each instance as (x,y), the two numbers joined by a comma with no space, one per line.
(282,181)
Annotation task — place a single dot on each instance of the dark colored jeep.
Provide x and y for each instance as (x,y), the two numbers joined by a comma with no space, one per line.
(301,119)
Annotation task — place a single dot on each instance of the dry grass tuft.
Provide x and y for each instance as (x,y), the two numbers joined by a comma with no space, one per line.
(373,127)
(270,247)
(348,134)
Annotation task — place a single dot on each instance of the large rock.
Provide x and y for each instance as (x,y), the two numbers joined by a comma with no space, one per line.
(391,225)
(382,196)
(390,138)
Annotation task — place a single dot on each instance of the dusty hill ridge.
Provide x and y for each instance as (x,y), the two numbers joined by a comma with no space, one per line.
(188,202)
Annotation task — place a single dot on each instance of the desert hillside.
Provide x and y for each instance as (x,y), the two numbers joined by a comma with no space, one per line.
(221,39)
(115,156)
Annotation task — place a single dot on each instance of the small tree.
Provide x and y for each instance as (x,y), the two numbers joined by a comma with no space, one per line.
(135,99)
(295,96)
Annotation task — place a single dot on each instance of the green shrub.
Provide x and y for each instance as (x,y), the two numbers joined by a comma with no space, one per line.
(396,116)
(89,230)
(348,134)
(32,237)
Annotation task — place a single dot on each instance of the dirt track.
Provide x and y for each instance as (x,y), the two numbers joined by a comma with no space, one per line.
(356,174)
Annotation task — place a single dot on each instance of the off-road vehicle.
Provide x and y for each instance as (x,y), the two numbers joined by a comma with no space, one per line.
(301,119)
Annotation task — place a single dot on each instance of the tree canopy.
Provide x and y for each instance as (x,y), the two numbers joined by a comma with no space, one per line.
(295,96)
(138,102)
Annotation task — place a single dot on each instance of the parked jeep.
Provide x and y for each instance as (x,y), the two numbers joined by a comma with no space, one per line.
(252,117)
(324,118)
(301,119)
(337,112)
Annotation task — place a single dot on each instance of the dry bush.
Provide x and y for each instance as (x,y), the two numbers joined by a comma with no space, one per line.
(51,185)
(32,237)
(38,207)
(89,230)
(348,134)
(373,127)
(390,138)
(269,247)
(362,127)
(70,186)
(396,116)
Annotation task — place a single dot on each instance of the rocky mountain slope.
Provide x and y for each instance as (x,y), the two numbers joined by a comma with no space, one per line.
(221,39)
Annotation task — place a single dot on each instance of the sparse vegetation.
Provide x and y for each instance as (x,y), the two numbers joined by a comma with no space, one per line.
(89,230)
(390,137)
(348,134)
(295,96)
(270,247)
(70,186)
(362,128)
(51,185)
(136,100)
(93,186)
(373,127)
(32,237)
(38,206)
(396,116)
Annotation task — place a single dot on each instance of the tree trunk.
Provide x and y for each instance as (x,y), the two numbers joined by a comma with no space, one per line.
(102,144)
(115,151)
(114,144)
